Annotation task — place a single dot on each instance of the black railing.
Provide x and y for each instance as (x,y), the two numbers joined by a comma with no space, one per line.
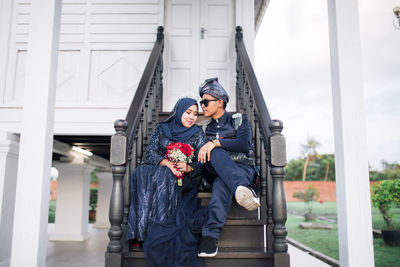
(128,144)
(270,150)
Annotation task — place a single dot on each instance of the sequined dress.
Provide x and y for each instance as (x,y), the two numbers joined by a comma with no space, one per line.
(154,191)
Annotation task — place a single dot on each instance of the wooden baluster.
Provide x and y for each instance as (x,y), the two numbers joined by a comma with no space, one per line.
(146,122)
(118,166)
(251,110)
(127,187)
(257,141)
(277,163)
(160,87)
(153,101)
(139,145)
(242,90)
(158,93)
(150,111)
(270,222)
(263,160)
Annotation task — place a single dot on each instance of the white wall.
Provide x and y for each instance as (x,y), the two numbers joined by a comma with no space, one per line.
(104,46)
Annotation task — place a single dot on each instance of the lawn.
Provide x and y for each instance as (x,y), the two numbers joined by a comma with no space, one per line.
(328,210)
(52,211)
(326,241)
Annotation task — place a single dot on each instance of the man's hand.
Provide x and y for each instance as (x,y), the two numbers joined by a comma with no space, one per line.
(205,152)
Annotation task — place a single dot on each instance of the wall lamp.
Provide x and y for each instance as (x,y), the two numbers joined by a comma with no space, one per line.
(396,17)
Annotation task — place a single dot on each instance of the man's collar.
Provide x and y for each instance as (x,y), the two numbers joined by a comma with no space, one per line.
(223,118)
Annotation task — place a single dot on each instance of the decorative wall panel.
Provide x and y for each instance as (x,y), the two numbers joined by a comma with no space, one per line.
(114,76)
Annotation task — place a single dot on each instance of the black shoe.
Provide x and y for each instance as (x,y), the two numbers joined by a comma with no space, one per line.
(208,247)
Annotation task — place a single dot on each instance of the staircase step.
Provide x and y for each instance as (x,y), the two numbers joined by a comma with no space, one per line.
(232,257)
(236,211)
(242,233)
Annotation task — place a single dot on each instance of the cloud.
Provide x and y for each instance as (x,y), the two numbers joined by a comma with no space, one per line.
(293,68)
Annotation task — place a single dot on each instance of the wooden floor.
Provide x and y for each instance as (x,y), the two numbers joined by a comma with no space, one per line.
(90,253)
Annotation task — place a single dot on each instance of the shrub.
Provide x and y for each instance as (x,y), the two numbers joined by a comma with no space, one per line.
(308,196)
(385,195)
(93,198)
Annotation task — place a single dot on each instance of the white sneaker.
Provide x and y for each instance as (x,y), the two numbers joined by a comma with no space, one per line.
(247,198)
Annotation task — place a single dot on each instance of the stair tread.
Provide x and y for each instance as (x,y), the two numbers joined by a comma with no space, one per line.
(223,252)
(243,222)
(204,195)
(242,252)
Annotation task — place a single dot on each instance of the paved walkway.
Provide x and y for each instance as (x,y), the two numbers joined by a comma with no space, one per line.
(90,253)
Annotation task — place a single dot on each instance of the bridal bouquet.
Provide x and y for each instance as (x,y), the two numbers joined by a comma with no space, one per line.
(180,152)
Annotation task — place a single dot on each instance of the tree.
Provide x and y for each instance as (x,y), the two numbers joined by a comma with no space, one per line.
(391,170)
(294,170)
(385,195)
(327,167)
(309,150)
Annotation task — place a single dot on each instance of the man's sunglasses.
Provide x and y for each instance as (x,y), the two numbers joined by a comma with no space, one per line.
(206,101)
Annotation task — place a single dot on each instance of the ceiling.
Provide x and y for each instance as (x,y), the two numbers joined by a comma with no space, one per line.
(98,145)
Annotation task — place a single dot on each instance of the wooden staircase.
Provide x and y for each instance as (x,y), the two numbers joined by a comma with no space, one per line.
(256,238)
(241,242)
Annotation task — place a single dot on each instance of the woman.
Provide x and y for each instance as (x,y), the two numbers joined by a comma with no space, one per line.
(155,193)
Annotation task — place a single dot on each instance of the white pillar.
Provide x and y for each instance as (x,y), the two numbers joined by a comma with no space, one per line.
(9,145)
(103,199)
(6,11)
(33,183)
(72,204)
(352,180)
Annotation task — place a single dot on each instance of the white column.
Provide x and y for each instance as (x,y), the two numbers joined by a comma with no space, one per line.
(352,181)
(72,204)
(6,11)
(33,183)
(103,199)
(9,145)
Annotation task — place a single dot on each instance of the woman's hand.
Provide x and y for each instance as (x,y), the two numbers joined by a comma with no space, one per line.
(183,167)
(171,166)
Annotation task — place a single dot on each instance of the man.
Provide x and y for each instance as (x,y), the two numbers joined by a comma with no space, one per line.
(229,166)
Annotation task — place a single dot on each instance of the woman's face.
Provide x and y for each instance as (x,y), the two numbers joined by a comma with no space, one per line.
(189,117)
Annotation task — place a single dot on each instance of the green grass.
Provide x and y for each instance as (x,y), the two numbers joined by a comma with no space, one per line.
(52,211)
(328,210)
(326,241)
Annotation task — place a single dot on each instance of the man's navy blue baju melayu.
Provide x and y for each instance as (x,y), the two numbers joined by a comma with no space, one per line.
(230,166)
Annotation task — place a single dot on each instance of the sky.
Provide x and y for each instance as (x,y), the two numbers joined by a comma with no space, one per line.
(292,63)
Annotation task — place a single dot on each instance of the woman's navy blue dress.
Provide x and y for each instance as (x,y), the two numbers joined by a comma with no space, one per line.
(155,194)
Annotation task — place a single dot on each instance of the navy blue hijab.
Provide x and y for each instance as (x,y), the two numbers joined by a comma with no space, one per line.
(173,128)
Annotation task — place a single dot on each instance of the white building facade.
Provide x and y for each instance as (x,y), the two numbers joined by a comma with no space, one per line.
(102,48)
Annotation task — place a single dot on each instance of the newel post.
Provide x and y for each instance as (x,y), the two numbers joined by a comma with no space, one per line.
(279,215)
(118,165)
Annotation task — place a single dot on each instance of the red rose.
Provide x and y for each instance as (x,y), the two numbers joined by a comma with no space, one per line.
(187,150)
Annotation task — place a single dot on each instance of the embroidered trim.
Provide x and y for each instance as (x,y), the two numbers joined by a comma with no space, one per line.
(237,120)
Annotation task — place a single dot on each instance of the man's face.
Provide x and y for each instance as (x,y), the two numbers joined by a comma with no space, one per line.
(212,105)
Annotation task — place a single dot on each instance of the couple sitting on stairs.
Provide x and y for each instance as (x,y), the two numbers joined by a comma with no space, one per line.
(165,215)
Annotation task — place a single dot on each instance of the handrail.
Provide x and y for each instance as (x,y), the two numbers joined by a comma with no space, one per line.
(270,151)
(133,115)
(258,97)
(128,144)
